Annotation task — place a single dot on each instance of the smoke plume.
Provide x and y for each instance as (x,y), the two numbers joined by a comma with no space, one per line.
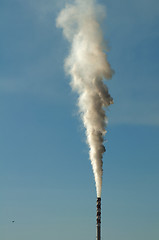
(88,66)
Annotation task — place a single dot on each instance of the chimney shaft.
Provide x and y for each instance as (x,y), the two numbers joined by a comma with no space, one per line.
(98,224)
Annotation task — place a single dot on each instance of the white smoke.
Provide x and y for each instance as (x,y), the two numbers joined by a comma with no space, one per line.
(88,66)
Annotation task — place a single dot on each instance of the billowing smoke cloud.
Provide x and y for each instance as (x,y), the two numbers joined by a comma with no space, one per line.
(88,66)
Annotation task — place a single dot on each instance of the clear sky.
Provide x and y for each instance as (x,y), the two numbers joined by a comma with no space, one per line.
(46,181)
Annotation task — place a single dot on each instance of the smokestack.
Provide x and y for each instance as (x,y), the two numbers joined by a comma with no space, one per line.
(98,226)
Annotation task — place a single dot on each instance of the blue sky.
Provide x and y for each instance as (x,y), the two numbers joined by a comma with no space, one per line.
(46,180)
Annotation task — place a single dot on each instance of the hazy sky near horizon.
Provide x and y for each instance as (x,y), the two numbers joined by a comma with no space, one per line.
(46,180)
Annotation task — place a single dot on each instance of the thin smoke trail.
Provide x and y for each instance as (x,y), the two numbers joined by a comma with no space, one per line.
(88,66)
